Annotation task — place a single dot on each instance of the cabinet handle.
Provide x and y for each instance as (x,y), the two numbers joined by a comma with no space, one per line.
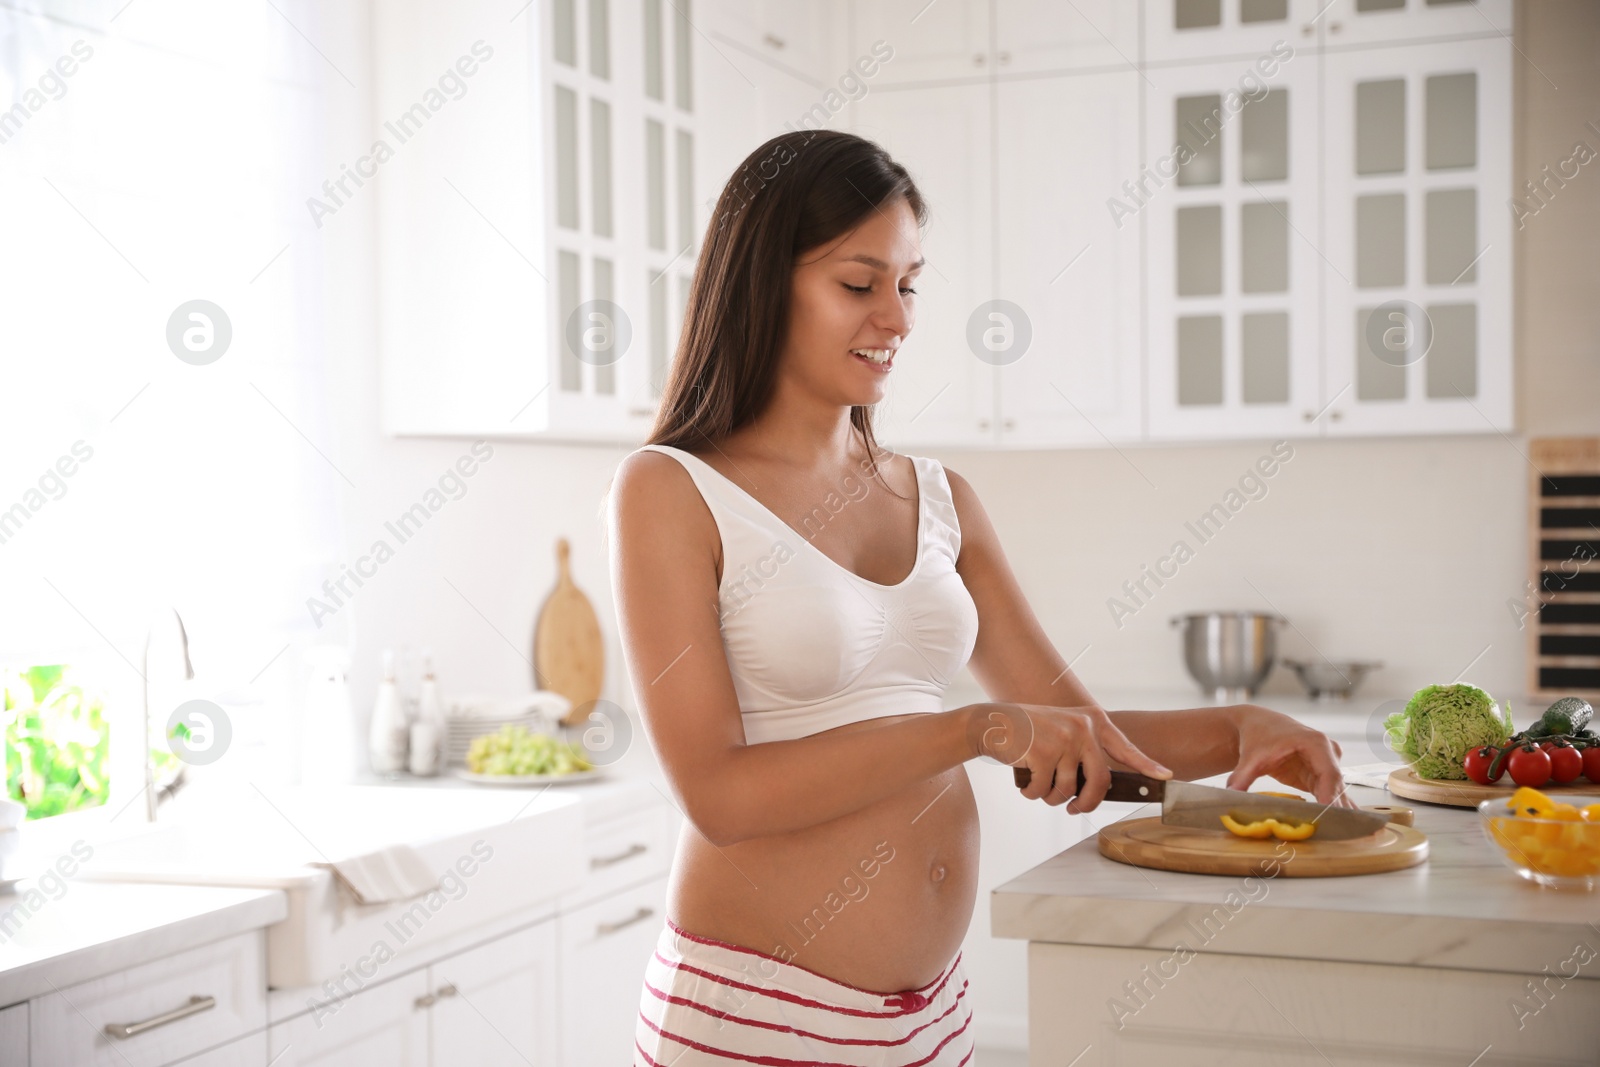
(1335,27)
(1307,415)
(424,1001)
(446,990)
(977,60)
(196,1005)
(1011,424)
(641,413)
(983,424)
(1307,30)
(1005,59)
(597,862)
(1336,415)
(772,41)
(604,929)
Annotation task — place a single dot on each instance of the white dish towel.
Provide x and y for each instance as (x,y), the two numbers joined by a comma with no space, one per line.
(1373,774)
(390,874)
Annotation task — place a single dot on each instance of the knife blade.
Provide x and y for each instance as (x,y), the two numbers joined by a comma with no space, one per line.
(1202,806)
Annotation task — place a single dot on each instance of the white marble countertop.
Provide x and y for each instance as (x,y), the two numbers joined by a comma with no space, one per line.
(601,799)
(81,930)
(1462,908)
(58,932)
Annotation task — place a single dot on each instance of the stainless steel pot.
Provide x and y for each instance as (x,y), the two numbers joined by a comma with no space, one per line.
(1230,653)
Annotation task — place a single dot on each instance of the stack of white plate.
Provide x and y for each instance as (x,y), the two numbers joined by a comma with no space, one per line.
(460,732)
(474,716)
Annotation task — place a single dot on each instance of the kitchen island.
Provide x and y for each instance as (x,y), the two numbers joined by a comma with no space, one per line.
(1456,961)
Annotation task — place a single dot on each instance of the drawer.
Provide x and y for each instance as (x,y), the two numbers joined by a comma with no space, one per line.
(605,947)
(625,851)
(178,1006)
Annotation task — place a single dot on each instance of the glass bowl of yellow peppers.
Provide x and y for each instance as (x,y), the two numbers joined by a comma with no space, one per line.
(1552,842)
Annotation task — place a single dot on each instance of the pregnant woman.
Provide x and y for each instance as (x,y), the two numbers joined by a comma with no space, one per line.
(793,601)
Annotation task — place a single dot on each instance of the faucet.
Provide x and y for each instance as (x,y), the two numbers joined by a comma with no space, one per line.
(150,797)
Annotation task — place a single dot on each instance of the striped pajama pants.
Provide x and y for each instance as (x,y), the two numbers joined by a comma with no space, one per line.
(707,1002)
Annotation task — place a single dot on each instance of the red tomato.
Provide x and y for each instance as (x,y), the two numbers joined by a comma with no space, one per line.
(1530,767)
(1566,763)
(1591,763)
(1477,765)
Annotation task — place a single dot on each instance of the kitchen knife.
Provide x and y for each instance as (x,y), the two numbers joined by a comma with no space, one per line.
(1202,806)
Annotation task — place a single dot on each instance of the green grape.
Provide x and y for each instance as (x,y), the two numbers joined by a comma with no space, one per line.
(513,751)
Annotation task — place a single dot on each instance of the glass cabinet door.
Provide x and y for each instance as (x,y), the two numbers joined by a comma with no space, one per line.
(624,219)
(1210,29)
(1349,22)
(1228,200)
(1418,280)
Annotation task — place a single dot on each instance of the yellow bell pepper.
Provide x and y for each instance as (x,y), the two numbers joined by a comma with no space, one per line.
(1261,829)
(1549,836)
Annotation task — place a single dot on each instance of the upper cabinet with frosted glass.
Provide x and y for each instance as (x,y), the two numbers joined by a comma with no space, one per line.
(535,245)
(1330,253)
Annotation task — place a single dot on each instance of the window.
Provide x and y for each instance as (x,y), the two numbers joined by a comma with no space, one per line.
(166,434)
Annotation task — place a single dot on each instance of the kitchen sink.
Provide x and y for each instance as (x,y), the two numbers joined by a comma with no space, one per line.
(521,847)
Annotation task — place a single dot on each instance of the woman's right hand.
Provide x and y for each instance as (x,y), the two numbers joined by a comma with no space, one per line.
(1052,741)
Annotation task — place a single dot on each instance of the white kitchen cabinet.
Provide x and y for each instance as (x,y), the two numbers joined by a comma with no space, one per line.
(1251,1011)
(538,237)
(942,388)
(791,38)
(247,1051)
(379,1024)
(1417,280)
(1068,262)
(495,1005)
(14,1035)
(1361,22)
(176,1006)
(1237,29)
(489,1005)
(1033,36)
(932,42)
(1393,241)
(605,947)
(464,284)
(1232,269)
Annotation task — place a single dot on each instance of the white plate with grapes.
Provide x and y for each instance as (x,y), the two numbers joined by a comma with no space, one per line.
(566,778)
(512,756)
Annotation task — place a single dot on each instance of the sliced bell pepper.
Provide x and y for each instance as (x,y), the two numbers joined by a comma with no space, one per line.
(1261,829)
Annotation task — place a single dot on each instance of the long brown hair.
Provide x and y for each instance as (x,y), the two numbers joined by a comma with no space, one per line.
(797,191)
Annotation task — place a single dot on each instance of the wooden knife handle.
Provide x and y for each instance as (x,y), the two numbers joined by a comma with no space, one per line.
(1395,814)
(1126,786)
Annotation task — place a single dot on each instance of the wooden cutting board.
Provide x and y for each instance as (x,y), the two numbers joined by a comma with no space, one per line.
(568,655)
(1151,843)
(1403,782)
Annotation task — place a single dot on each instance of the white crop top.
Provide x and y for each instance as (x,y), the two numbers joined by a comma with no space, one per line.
(812,645)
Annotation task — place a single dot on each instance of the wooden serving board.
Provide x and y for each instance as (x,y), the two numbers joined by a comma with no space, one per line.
(1403,782)
(568,656)
(1151,843)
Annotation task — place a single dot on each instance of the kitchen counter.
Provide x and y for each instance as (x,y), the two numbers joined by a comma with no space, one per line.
(1369,965)
(1462,908)
(93,928)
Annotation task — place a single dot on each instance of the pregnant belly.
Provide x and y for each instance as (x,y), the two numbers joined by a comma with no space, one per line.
(879,899)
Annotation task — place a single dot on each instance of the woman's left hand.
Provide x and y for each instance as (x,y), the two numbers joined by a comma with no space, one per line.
(1278,746)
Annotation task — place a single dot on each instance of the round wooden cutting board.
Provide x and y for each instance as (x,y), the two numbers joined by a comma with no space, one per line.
(1403,782)
(1151,843)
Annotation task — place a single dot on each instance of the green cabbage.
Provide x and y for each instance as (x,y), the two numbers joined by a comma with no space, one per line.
(1441,724)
